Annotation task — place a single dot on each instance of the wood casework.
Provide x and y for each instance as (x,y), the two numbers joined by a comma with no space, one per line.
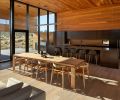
(75,37)
(96,19)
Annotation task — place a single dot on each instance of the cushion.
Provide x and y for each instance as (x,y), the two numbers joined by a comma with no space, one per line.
(22,94)
(2,85)
(11,89)
(37,94)
(12,81)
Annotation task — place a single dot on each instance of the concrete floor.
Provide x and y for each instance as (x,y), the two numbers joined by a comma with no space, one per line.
(103,84)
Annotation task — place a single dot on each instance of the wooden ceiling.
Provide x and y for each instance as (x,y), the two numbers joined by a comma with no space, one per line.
(96,19)
(66,5)
(90,14)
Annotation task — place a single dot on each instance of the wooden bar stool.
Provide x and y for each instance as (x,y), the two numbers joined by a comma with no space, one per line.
(58,51)
(92,55)
(72,52)
(66,52)
(77,53)
(82,54)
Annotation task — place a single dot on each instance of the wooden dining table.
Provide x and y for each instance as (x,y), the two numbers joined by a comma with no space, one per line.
(71,62)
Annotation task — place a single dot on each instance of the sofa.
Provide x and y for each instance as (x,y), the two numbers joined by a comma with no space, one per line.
(17,90)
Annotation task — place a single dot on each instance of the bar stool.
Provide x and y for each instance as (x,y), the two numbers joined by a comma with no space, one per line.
(92,55)
(77,53)
(58,51)
(72,52)
(82,54)
(66,52)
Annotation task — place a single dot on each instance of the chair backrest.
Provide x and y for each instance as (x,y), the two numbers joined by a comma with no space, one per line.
(83,65)
(58,66)
(92,52)
(82,51)
(42,63)
(72,50)
(78,50)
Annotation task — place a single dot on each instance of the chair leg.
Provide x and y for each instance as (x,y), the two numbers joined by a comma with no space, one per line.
(69,78)
(19,67)
(96,58)
(85,57)
(88,72)
(37,72)
(89,58)
(46,75)
(24,68)
(83,78)
(51,77)
(32,69)
(62,80)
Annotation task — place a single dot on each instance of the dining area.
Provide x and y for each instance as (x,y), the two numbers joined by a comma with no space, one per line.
(54,67)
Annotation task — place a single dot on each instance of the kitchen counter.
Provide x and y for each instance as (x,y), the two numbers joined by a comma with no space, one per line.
(108,57)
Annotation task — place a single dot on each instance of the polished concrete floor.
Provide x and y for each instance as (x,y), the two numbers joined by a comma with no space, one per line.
(103,84)
(4,58)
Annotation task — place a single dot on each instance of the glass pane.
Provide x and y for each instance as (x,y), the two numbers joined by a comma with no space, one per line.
(4,30)
(20,16)
(51,28)
(33,32)
(43,37)
(51,34)
(43,17)
(51,18)
(19,42)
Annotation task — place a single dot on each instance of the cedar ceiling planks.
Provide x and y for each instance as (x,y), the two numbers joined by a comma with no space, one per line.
(66,5)
(74,14)
(95,19)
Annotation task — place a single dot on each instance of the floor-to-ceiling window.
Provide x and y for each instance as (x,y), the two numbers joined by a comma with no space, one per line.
(33,29)
(25,20)
(51,28)
(43,29)
(4,30)
(20,11)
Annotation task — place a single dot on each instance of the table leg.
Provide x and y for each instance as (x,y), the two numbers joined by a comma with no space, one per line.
(73,78)
(13,64)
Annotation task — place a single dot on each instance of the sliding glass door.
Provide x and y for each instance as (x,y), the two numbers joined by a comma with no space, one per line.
(21,41)
(4,30)
(4,46)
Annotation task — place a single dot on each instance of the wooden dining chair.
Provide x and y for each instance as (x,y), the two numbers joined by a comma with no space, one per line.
(30,64)
(59,69)
(20,62)
(82,70)
(42,68)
